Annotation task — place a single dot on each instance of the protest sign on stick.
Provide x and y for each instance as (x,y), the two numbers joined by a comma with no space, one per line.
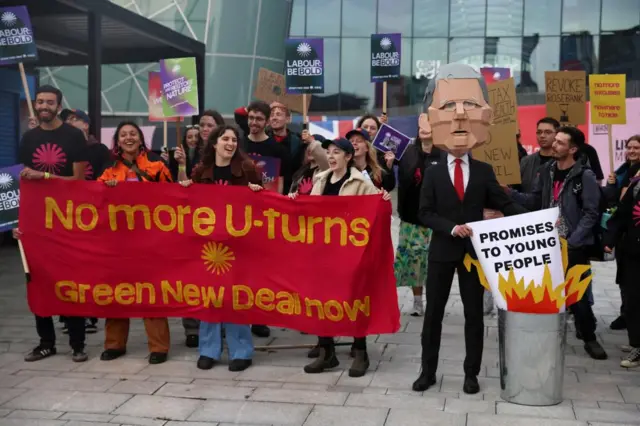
(522,260)
(501,149)
(270,88)
(385,61)
(390,139)
(156,105)
(566,94)
(17,44)
(304,69)
(607,93)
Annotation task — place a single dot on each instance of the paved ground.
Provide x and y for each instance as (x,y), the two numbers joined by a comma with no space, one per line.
(275,391)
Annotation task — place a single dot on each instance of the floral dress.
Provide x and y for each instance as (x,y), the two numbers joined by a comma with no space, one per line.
(411,257)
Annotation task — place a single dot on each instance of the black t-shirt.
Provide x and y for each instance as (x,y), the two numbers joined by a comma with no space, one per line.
(99,158)
(594,162)
(559,177)
(544,159)
(271,148)
(334,188)
(53,151)
(222,175)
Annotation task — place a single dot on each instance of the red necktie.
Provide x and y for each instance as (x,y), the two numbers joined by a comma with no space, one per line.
(458,179)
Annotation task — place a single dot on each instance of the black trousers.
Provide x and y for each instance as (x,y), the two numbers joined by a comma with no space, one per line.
(582,311)
(47,332)
(359,343)
(439,280)
(630,288)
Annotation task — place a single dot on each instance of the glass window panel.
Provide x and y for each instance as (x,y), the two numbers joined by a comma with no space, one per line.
(620,14)
(504,52)
(504,17)
(468,18)
(581,16)
(225,35)
(298,10)
(405,60)
(329,100)
(354,74)
(358,18)
(273,29)
(430,18)
(149,8)
(196,13)
(542,17)
(428,55)
(227,97)
(323,18)
(394,16)
(579,52)
(539,54)
(619,55)
(468,51)
(73,82)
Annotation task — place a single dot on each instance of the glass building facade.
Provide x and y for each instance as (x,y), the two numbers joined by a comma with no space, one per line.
(527,36)
(241,36)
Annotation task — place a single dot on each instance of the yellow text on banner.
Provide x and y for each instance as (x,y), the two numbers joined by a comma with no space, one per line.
(608,103)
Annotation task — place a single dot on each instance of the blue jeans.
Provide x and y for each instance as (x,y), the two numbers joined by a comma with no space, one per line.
(239,340)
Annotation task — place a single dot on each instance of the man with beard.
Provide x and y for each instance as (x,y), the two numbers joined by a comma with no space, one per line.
(258,143)
(53,150)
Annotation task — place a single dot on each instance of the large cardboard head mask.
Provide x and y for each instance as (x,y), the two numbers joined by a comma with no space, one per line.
(457,113)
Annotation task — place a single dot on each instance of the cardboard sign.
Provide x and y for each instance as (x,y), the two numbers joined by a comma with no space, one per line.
(179,87)
(155,99)
(501,150)
(389,139)
(566,93)
(608,98)
(16,36)
(304,65)
(270,87)
(9,196)
(385,56)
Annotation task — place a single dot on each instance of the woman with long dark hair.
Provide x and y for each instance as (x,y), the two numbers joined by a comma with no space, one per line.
(131,163)
(371,125)
(223,163)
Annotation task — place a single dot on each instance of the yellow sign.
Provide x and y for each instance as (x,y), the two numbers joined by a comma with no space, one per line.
(608,98)
(566,94)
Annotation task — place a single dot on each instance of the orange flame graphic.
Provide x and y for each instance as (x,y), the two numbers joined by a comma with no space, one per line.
(543,298)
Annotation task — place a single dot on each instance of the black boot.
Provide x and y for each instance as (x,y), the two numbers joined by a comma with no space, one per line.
(618,324)
(261,330)
(325,361)
(360,363)
(314,352)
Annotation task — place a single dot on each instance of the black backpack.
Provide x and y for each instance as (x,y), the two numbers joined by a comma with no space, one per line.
(596,250)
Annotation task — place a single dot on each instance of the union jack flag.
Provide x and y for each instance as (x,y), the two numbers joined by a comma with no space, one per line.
(332,129)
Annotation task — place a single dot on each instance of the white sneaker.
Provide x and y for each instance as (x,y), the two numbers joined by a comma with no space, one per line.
(625,348)
(632,360)
(418,309)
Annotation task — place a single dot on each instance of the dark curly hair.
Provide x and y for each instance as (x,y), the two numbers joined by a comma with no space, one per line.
(116,152)
(209,153)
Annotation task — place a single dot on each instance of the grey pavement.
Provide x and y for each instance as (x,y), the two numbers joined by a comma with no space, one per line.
(275,391)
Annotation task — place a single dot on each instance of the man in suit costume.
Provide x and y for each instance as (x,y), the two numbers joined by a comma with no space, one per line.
(454,193)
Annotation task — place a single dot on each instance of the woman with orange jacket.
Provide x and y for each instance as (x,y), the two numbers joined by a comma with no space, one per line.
(132,163)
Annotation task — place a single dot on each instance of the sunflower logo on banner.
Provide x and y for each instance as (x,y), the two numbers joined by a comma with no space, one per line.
(217,258)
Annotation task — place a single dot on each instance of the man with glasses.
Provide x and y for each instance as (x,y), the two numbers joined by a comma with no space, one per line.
(530,165)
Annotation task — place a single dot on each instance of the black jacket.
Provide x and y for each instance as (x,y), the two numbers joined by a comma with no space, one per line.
(411,170)
(441,209)
(623,228)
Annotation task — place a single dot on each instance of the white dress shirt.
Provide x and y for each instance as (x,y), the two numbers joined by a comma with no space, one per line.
(451,163)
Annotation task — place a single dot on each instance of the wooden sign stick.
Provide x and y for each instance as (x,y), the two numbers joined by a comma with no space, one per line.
(27,94)
(384,98)
(610,136)
(305,113)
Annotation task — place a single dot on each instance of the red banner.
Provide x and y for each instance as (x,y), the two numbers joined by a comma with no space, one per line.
(323,265)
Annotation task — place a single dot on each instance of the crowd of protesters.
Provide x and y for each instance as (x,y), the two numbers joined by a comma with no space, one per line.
(562,173)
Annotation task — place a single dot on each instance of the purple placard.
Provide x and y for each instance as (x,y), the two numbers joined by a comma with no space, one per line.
(386,51)
(9,196)
(269,169)
(16,36)
(304,65)
(389,139)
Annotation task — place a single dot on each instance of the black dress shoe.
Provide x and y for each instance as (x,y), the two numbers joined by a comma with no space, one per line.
(111,354)
(471,385)
(260,330)
(314,352)
(618,324)
(157,357)
(240,364)
(206,363)
(424,382)
(192,341)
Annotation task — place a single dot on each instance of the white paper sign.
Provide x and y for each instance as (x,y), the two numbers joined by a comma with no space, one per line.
(523,244)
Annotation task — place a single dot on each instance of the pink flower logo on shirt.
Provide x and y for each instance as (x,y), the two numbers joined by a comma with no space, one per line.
(49,158)
(305,186)
(88,172)
(221,182)
(636,215)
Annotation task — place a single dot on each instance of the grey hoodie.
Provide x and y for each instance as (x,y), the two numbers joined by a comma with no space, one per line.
(579,216)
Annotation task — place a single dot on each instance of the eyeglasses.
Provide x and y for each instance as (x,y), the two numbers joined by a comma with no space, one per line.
(193,126)
(545,132)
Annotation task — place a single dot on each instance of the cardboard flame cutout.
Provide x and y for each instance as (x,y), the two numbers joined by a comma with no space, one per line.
(539,298)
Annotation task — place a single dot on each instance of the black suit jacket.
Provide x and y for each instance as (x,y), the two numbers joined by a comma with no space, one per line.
(441,209)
